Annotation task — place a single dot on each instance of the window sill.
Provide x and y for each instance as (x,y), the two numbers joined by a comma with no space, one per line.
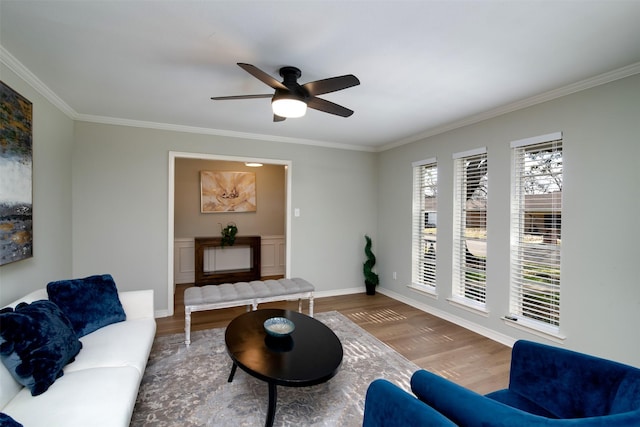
(469,306)
(534,328)
(424,290)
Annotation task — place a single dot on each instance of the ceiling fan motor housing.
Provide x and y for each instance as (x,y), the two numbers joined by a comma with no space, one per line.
(290,76)
(290,72)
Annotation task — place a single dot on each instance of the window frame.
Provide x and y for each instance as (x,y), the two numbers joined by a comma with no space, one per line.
(421,266)
(466,290)
(530,273)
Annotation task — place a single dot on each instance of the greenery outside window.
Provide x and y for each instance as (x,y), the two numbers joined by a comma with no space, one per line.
(536,238)
(470,228)
(425,211)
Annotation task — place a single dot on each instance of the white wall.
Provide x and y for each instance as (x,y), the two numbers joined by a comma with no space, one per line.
(120,182)
(52,145)
(600,294)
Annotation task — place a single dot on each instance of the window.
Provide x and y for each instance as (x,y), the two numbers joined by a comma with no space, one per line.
(470,228)
(536,222)
(425,210)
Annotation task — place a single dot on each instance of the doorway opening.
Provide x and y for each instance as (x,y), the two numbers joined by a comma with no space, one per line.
(173,157)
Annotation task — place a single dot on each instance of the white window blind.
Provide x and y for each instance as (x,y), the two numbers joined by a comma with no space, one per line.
(425,211)
(536,220)
(470,227)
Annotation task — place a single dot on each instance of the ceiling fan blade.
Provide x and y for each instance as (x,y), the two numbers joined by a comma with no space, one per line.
(262,76)
(328,107)
(224,98)
(277,118)
(332,84)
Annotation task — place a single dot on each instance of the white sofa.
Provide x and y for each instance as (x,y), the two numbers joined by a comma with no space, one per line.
(100,387)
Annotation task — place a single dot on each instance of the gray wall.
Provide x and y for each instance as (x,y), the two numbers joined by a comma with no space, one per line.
(52,146)
(600,294)
(120,204)
(267,220)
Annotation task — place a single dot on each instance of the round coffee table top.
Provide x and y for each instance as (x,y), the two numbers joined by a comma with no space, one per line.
(311,355)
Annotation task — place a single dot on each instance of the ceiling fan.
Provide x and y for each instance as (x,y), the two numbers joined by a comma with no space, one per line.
(291,99)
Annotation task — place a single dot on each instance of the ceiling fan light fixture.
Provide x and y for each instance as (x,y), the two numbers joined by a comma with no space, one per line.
(288,107)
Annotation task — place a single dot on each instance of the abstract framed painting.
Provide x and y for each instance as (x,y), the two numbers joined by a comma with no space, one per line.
(224,191)
(16,175)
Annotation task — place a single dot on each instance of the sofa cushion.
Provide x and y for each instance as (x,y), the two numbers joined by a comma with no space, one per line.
(90,303)
(36,342)
(100,397)
(119,344)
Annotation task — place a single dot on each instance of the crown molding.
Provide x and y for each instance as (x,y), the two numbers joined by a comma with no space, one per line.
(589,83)
(217,132)
(25,74)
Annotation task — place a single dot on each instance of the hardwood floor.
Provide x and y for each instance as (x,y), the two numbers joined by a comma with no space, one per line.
(434,344)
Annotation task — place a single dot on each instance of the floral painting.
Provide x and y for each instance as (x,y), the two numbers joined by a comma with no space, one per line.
(227,191)
(16,158)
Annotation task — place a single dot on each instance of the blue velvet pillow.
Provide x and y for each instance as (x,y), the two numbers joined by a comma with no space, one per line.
(90,303)
(36,342)
(7,421)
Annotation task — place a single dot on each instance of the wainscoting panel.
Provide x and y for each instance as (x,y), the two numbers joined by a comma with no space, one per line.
(273,256)
(273,261)
(184,270)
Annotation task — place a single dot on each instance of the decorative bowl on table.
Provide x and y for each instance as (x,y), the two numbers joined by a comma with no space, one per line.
(279,326)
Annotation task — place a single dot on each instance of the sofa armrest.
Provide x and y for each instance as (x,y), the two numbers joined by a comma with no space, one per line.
(387,405)
(137,304)
(467,408)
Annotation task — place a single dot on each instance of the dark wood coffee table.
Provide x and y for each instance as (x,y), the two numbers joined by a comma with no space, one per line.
(311,355)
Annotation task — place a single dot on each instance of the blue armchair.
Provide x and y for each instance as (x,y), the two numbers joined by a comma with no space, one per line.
(548,386)
(388,405)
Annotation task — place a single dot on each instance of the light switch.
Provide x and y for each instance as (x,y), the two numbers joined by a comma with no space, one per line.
(296,212)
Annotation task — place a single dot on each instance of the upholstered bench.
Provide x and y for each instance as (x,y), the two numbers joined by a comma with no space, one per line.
(212,297)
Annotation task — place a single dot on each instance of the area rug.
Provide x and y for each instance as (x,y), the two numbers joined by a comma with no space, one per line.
(187,386)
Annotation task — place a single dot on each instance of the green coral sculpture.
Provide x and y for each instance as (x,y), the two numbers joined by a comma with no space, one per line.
(371,279)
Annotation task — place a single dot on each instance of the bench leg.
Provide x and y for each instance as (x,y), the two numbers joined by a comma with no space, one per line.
(187,325)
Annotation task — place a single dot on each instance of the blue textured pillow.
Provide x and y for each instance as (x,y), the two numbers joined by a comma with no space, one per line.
(7,421)
(36,342)
(90,303)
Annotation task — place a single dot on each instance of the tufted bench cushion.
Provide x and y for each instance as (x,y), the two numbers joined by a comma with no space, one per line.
(211,297)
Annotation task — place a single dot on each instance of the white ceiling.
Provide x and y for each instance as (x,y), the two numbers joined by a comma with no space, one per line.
(424,66)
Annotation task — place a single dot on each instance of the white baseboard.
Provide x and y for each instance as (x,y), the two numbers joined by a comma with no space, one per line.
(162,313)
(337,292)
